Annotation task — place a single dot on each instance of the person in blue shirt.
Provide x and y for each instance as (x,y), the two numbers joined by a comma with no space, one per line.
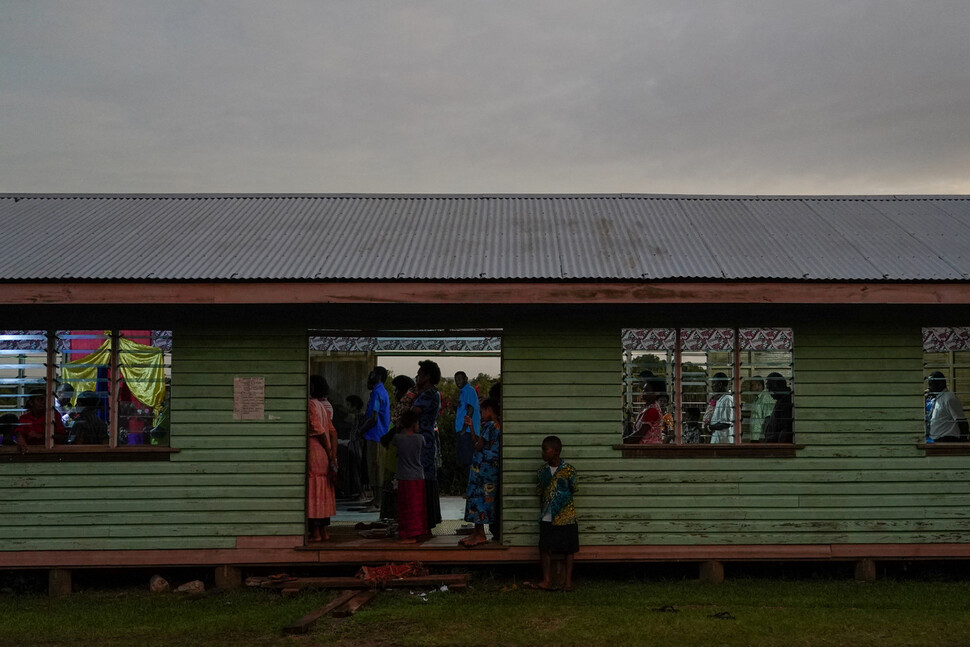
(376,423)
(467,408)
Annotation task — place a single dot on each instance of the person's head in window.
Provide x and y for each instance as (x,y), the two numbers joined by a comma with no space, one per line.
(319,387)
(776,384)
(719,383)
(461,379)
(88,399)
(936,383)
(354,402)
(377,376)
(64,395)
(756,384)
(36,401)
(402,384)
(653,387)
(428,375)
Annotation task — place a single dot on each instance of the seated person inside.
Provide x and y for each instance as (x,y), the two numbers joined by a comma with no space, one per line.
(30,428)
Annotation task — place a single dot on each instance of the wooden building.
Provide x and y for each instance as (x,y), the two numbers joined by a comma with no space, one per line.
(241,282)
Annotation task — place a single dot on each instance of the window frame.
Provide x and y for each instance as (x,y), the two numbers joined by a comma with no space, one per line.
(703,450)
(50,451)
(956,341)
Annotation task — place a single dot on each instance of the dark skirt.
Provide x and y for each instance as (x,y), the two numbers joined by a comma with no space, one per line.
(432,503)
(561,540)
(411,517)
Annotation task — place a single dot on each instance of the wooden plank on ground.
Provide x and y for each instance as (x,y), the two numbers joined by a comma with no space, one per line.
(354,604)
(459,580)
(303,625)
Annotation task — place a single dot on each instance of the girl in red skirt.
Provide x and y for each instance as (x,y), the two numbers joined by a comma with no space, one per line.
(412,517)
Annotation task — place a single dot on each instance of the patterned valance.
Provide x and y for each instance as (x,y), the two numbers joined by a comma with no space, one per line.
(407,344)
(649,338)
(35,341)
(707,339)
(946,339)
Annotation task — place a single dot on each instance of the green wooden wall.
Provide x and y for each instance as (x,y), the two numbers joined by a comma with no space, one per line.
(861,477)
(230,477)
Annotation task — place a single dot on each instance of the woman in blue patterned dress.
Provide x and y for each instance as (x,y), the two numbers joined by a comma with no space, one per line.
(480,504)
(427,405)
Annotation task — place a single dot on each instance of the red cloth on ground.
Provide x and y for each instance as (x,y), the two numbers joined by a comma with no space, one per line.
(412,517)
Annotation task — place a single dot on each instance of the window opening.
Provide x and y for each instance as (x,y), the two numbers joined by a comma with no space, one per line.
(99,387)
(693,386)
(946,364)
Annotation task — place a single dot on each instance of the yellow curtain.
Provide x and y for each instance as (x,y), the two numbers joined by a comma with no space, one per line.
(82,373)
(141,366)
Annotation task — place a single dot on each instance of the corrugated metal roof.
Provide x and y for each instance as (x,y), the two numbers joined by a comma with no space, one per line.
(454,237)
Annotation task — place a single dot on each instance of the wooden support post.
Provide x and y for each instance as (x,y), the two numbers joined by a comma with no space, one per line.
(712,572)
(228,577)
(59,582)
(865,570)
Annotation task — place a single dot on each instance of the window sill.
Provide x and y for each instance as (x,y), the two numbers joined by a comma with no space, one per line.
(945,449)
(753,450)
(93,453)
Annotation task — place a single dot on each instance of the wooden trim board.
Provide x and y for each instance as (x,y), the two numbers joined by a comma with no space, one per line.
(499,291)
(518,554)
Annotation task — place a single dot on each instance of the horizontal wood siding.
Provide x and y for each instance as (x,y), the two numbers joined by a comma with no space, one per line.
(229,478)
(861,477)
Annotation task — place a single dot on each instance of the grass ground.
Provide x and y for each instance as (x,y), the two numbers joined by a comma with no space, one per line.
(496,610)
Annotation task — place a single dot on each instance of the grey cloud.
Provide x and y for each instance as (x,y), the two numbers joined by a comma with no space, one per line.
(728,97)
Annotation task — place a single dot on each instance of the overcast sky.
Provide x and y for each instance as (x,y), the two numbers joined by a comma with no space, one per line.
(685,96)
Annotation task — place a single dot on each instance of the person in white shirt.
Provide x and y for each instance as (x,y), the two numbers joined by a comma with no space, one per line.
(948,422)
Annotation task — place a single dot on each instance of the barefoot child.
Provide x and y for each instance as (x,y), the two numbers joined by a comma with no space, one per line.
(412,517)
(558,530)
(480,508)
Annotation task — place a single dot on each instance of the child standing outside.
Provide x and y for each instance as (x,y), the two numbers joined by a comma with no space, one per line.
(558,530)
(412,516)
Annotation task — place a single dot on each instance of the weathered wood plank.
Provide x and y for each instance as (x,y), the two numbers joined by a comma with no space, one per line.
(223,404)
(200,379)
(85,506)
(793,476)
(848,388)
(574,367)
(303,625)
(606,407)
(218,480)
(236,455)
(183,416)
(537,378)
(862,353)
(806,374)
(562,353)
(354,604)
(272,392)
(253,368)
(137,492)
(205,354)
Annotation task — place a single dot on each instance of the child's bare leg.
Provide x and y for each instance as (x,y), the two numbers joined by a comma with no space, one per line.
(567,581)
(545,559)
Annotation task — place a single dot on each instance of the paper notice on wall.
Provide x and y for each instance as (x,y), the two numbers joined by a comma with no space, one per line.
(248,398)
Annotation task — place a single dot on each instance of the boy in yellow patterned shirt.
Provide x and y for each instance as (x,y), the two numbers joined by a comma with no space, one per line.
(558,530)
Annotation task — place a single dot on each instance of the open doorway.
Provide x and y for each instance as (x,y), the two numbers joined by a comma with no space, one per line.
(365,487)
